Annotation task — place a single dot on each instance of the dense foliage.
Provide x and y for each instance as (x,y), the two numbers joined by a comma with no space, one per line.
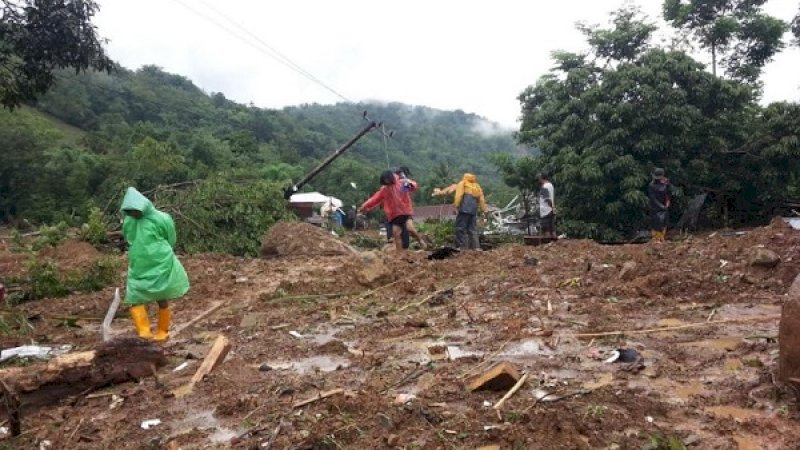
(737,30)
(40,36)
(96,133)
(604,120)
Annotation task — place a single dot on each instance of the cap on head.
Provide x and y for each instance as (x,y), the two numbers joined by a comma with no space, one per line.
(659,172)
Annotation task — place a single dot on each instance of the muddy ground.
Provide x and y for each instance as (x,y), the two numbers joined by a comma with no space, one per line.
(363,323)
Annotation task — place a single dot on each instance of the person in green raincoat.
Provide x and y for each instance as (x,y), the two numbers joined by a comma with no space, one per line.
(154,272)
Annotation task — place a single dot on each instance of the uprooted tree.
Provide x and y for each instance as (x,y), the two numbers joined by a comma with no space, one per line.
(604,120)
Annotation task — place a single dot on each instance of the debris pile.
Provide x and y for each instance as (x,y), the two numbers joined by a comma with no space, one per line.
(302,239)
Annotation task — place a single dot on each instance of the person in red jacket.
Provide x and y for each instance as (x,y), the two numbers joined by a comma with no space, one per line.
(395,195)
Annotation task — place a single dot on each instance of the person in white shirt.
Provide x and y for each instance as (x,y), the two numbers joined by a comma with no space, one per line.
(547,206)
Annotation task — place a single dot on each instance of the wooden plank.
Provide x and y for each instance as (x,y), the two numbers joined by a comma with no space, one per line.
(219,350)
(193,322)
(500,377)
(511,392)
(322,395)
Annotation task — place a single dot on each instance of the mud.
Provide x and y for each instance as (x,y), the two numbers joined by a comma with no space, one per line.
(301,239)
(711,385)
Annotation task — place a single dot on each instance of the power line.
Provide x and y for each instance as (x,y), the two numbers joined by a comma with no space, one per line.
(264,47)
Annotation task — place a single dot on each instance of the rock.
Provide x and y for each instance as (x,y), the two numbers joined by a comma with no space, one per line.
(384,421)
(264,368)
(764,257)
(628,271)
(789,337)
(402,399)
(691,440)
(373,269)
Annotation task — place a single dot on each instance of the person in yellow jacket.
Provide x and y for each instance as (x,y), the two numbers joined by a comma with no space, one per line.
(469,202)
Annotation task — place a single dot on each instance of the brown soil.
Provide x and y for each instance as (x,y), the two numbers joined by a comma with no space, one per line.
(301,239)
(712,384)
(72,255)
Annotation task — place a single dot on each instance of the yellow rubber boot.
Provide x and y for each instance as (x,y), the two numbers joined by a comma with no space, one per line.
(141,321)
(164,321)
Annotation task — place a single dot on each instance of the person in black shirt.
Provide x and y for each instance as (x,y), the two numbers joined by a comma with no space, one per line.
(659,192)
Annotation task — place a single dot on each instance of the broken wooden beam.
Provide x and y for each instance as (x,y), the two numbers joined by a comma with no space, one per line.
(320,396)
(180,328)
(500,377)
(219,350)
(511,392)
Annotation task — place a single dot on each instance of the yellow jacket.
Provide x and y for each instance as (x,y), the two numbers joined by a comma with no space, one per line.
(469,185)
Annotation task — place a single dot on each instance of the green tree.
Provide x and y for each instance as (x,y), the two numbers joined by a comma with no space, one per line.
(740,37)
(40,36)
(602,130)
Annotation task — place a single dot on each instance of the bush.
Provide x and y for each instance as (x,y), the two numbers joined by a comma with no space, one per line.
(46,280)
(440,232)
(225,216)
(95,229)
(50,236)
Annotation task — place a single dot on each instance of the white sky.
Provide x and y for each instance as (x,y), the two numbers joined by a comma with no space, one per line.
(471,55)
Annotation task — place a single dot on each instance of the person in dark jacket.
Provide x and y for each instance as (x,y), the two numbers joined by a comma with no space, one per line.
(659,192)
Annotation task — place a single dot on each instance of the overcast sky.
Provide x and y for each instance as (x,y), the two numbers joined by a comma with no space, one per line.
(449,54)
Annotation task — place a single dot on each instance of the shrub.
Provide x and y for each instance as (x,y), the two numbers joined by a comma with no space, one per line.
(95,229)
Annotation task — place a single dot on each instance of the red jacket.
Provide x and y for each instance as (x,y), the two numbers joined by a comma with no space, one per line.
(395,201)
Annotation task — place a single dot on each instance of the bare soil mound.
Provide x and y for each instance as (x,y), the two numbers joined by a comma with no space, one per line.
(301,239)
(72,255)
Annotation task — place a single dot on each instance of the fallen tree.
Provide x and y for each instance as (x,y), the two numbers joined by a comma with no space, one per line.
(113,362)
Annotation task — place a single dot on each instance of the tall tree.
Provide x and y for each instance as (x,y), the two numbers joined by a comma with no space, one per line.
(739,36)
(40,36)
(603,128)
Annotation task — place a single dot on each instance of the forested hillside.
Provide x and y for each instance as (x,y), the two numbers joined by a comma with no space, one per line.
(93,134)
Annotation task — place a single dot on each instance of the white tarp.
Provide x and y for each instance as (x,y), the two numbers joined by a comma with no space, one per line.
(315,197)
(793,222)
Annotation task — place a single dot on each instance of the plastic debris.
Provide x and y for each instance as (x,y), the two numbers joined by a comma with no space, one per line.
(296,334)
(34,351)
(150,423)
(181,367)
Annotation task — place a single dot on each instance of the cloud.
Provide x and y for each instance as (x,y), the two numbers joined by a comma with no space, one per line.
(471,55)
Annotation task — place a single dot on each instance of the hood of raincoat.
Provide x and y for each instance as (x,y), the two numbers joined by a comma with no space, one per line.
(469,186)
(136,201)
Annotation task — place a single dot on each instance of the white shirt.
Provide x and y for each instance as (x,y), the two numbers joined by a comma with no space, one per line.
(547,192)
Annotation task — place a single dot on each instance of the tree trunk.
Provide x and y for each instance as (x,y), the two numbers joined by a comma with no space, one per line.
(714,59)
(114,362)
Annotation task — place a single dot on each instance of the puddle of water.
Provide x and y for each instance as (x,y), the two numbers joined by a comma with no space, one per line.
(206,421)
(528,347)
(324,363)
(746,443)
(604,380)
(728,343)
(733,412)
(688,390)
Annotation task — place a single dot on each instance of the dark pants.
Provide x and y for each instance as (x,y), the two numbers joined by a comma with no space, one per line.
(548,224)
(467,231)
(404,234)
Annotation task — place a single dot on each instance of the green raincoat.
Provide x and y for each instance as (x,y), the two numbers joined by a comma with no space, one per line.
(154,272)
